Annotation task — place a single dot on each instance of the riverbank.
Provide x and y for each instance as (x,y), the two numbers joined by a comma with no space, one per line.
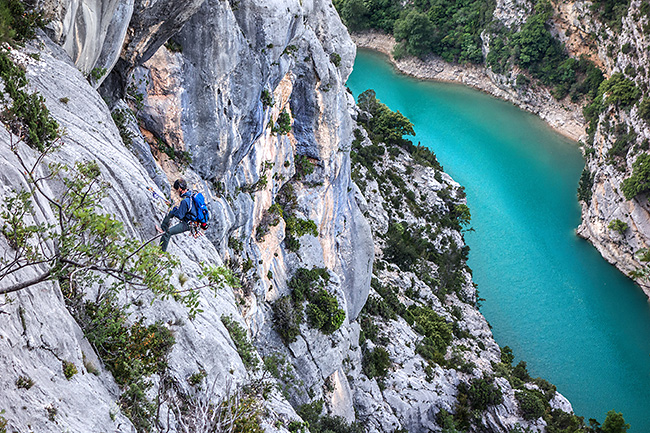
(563,116)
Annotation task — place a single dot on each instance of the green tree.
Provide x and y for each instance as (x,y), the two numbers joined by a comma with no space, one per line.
(618,226)
(639,181)
(614,423)
(415,30)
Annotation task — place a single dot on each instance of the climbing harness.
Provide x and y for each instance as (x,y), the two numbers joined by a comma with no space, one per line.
(197,228)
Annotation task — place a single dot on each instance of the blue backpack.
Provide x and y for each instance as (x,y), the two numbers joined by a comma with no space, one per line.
(199,210)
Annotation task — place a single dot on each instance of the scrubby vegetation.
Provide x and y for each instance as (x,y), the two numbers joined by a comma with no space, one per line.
(323,311)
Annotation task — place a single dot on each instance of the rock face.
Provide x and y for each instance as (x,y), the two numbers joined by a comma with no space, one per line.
(254,94)
(625,52)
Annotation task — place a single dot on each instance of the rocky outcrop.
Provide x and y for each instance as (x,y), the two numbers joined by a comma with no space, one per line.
(626,51)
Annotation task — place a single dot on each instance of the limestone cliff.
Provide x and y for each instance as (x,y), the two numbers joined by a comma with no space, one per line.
(247,101)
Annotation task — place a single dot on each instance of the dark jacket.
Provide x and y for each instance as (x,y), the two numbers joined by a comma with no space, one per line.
(185,210)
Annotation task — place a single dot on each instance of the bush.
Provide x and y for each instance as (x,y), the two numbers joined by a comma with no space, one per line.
(483,393)
(27,116)
(283,124)
(618,226)
(531,404)
(287,317)
(376,363)
(644,109)
(69,369)
(323,312)
(639,181)
(18,24)
(584,185)
(245,349)
(619,90)
(436,331)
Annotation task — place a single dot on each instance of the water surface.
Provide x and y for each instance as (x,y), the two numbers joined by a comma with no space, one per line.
(574,318)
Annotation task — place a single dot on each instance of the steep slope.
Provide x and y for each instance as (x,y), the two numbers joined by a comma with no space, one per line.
(247,102)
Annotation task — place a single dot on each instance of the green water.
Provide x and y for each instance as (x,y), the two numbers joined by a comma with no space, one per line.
(549,295)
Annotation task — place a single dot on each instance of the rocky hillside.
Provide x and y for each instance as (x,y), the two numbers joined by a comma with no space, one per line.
(276,317)
(611,121)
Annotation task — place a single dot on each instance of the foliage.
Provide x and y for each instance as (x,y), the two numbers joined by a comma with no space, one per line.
(482,392)
(376,362)
(304,167)
(619,90)
(120,117)
(611,11)
(584,185)
(311,414)
(27,116)
(639,181)
(182,157)
(531,404)
(336,59)
(18,24)
(324,313)
(614,423)
(131,352)
(69,369)
(206,410)
(97,73)
(173,46)
(246,350)
(644,109)
(618,226)
(417,33)
(283,125)
(383,125)
(24,382)
(287,317)
(266,98)
(436,331)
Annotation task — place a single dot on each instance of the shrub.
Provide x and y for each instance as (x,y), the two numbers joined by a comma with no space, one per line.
(69,369)
(483,393)
(644,109)
(437,333)
(531,404)
(614,423)
(376,363)
(283,124)
(304,167)
(120,117)
(18,24)
(639,181)
(619,90)
(27,116)
(266,98)
(245,349)
(323,312)
(584,185)
(336,59)
(618,226)
(287,317)
(24,382)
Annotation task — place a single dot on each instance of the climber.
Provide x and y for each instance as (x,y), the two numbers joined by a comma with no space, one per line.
(183,212)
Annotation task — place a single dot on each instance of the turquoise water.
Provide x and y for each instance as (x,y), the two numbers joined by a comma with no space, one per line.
(575,319)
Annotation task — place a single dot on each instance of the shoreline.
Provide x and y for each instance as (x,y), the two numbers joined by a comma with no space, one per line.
(562,116)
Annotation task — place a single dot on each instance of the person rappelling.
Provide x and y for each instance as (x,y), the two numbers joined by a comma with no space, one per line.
(192,213)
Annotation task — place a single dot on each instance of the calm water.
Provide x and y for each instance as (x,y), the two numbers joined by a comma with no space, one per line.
(549,295)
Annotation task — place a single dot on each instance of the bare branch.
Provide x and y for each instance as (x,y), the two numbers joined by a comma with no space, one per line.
(28,283)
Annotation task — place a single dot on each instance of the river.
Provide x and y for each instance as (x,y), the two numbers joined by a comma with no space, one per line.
(549,295)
